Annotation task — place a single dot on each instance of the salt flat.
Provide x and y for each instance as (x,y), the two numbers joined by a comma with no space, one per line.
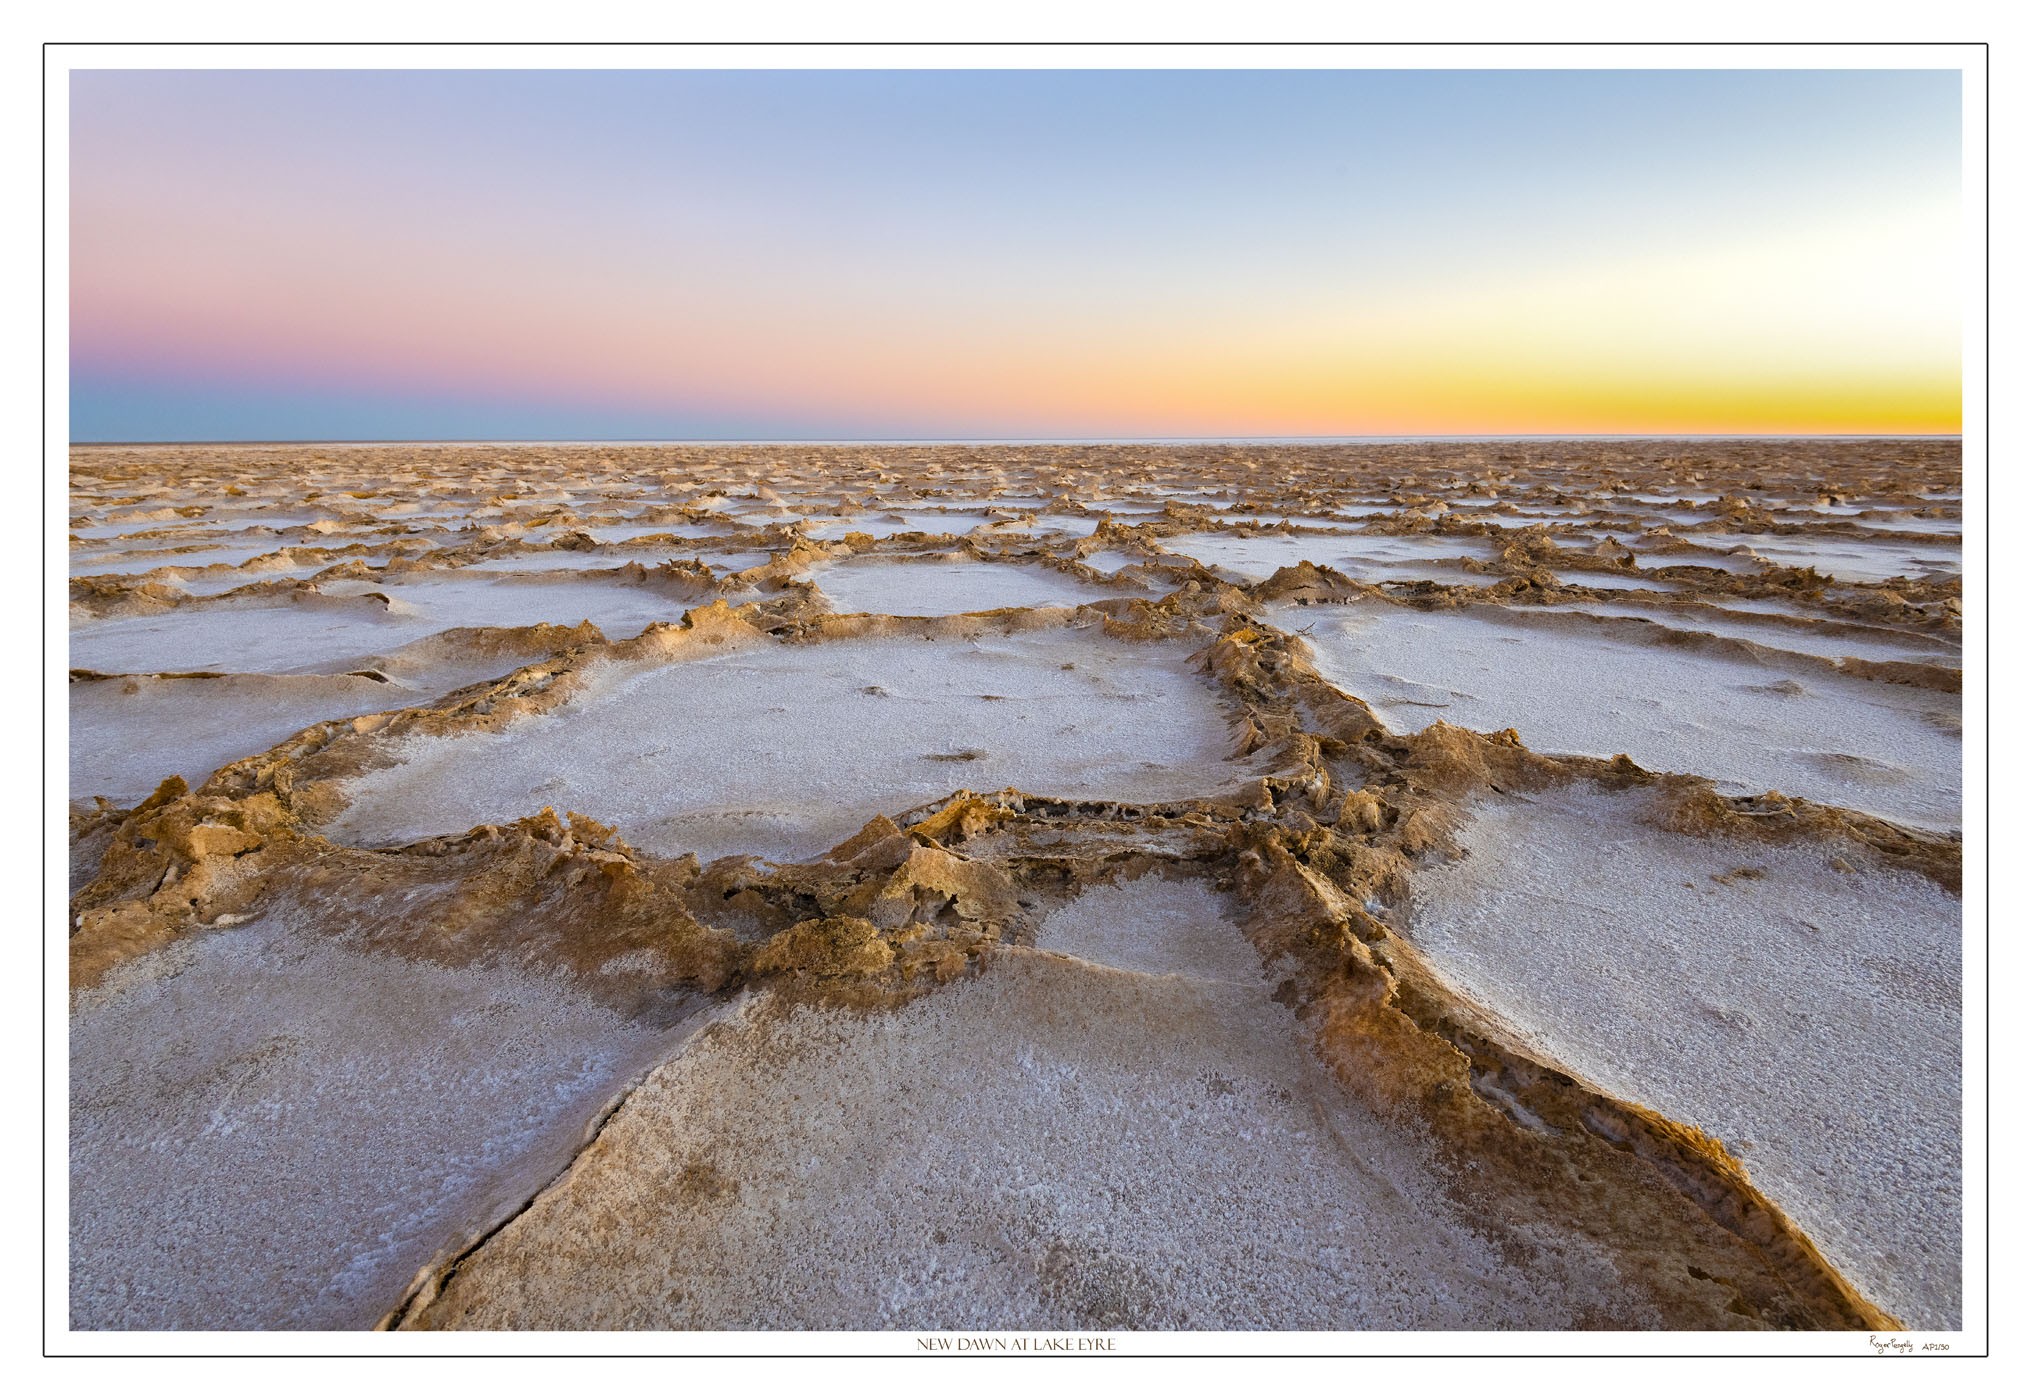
(1092,968)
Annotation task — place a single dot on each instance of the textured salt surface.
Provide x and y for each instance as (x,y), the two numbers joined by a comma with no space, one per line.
(576,560)
(1360,556)
(882,526)
(271,1131)
(1106,1059)
(1879,645)
(138,562)
(300,638)
(130,733)
(1807,1016)
(1058,1144)
(1892,751)
(634,529)
(783,751)
(930,588)
(1851,561)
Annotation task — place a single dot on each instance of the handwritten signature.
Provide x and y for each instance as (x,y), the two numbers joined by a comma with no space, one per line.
(1904,1346)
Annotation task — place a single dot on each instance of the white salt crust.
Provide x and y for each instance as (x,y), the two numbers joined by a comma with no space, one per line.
(1888,750)
(269,1130)
(782,751)
(1807,1016)
(933,588)
(301,637)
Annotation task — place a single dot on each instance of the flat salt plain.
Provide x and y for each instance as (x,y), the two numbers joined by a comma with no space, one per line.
(1035,1149)
(1891,751)
(1806,1015)
(1117,1127)
(782,751)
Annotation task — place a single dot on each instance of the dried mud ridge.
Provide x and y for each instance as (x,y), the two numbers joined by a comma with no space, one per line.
(1319,851)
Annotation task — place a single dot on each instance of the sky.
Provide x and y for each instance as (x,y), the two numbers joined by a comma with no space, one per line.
(781,255)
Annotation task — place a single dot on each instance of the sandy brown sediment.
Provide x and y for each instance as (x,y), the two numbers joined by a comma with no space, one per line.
(1316,844)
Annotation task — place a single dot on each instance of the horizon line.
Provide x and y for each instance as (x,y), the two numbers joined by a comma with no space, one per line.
(1018,441)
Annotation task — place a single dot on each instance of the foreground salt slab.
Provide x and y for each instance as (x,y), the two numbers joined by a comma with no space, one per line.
(1062,1143)
(269,1130)
(782,750)
(1800,1003)
(1891,751)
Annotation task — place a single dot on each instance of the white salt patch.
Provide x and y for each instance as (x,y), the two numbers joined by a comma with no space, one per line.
(1649,557)
(128,735)
(1850,561)
(1366,557)
(1053,523)
(1809,1019)
(576,560)
(882,525)
(934,588)
(296,637)
(1873,645)
(1917,526)
(1163,927)
(783,751)
(270,1131)
(141,563)
(1892,751)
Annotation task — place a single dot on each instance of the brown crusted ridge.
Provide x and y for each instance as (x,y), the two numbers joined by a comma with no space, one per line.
(1371,977)
(1674,1209)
